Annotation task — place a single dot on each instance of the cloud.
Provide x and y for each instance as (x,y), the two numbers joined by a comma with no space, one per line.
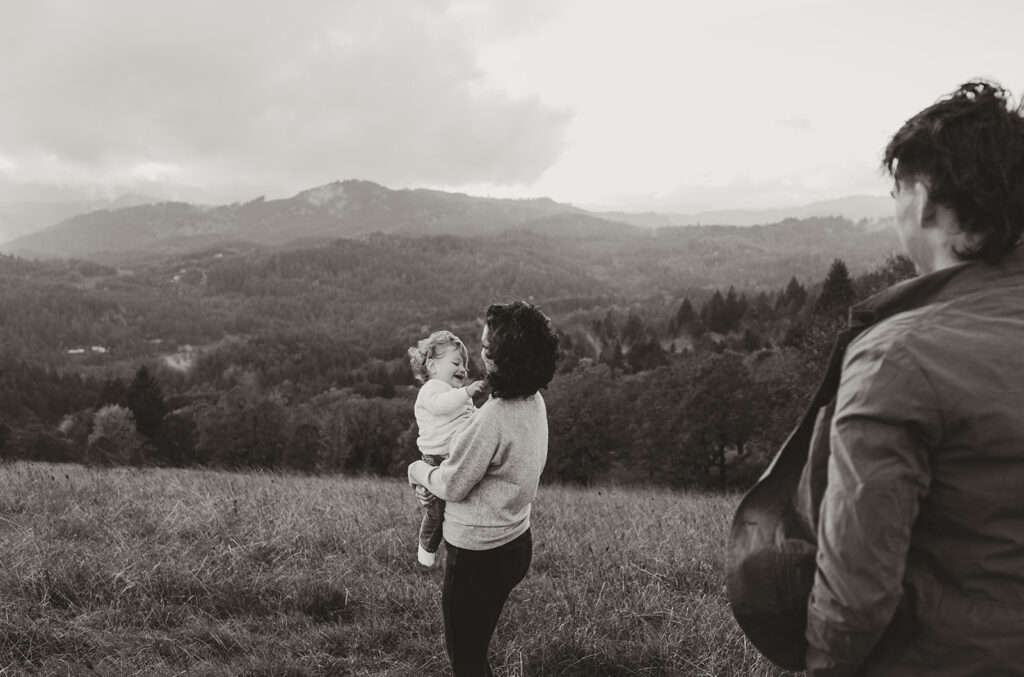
(238,95)
(796,124)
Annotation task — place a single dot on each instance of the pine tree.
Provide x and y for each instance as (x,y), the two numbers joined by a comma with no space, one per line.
(792,298)
(761,309)
(634,331)
(146,401)
(685,317)
(837,293)
(733,310)
(713,314)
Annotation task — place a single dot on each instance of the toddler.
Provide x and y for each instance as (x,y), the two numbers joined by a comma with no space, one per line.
(443,408)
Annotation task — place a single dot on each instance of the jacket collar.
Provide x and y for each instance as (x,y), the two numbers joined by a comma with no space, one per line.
(940,285)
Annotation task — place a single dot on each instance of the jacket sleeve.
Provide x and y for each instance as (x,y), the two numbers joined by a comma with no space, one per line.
(470,454)
(442,399)
(886,418)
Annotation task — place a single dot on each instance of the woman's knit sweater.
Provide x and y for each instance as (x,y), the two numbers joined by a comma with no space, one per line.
(491,476)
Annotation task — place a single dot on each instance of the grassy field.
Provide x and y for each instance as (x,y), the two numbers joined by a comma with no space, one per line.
(183,572)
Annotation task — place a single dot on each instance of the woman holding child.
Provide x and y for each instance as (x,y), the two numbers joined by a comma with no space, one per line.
(489,479)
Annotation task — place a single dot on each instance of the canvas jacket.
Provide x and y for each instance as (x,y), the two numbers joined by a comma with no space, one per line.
(918,512)
(920,526)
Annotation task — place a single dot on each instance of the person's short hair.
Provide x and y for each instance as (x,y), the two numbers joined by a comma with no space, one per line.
(968,148)
(431,348)
(522,347)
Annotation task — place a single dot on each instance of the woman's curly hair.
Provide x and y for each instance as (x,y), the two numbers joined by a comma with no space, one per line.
(969,149)
(522,347)
(431,348)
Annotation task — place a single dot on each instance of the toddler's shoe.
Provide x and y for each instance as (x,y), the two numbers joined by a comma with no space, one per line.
(425,558)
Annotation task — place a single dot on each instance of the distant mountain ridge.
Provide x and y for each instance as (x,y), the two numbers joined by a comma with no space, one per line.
(352,208)
(341,209)
(18,219)
(853,207)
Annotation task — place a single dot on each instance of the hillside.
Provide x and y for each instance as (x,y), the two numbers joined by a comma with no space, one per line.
(352,208)
(389,281)
(854,208)
(343,209)
(870,207)
(382,284)
(282,365)
(307,344)
(162,572)
(18,219)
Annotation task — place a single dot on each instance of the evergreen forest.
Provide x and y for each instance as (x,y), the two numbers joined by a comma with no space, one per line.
(686,353)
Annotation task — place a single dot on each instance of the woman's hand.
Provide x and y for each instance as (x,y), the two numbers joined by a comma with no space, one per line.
(423,496)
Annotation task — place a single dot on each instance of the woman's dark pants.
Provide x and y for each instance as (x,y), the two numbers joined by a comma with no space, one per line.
(476,585)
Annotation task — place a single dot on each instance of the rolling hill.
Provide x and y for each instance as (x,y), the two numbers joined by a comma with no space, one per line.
(353,208)
(18,219)
(341,209)
(854,208)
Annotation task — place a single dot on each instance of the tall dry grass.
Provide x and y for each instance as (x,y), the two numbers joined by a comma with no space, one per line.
(174,572)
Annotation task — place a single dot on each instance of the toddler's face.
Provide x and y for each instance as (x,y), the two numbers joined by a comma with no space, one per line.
(449,367)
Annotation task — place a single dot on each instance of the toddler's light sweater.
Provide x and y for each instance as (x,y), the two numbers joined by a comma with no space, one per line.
(441,411)
(491,477)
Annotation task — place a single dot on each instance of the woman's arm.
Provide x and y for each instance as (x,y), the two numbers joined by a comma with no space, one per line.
(471,454)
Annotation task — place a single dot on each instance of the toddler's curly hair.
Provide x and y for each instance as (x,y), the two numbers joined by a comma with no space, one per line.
(431,348)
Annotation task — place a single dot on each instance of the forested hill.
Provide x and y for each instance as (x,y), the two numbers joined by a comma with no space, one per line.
(341,209)
(381,285)
(338,210)
(22,218)
(295,356)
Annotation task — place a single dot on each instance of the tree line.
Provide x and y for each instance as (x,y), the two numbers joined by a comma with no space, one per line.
(698,391)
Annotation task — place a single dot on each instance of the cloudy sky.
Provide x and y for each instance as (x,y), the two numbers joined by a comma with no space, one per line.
(646,104)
